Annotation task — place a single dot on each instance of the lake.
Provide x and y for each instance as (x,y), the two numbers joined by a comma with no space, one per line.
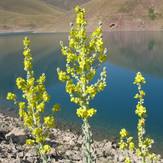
(129,52)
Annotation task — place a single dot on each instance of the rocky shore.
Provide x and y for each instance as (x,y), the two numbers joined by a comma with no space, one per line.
(66,146)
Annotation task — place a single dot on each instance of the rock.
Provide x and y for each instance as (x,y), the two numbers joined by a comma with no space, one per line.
(17,136)
(20,155)
(2,135)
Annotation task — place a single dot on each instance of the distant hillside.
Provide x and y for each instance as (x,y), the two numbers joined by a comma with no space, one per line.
(27,7)
(66,4)
(55,15)
(27,14)
(126,14)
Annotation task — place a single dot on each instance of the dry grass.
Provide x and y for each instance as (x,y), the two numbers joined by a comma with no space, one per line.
(54,15)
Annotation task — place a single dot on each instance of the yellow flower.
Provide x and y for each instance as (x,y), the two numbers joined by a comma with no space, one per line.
(91,112)
(21,113)
(20,82)
(123,133)
(82,113)
(21,105)
(128,160)
(122,145)
(37,131)
(139,79)
(27,65)
(26,41)
(62,75)
(40,139)
(41,79)
(40,107)
(142,93)
(45,149)
(27,53)
(49,121)
(85,113)
(69,87)
(102,58)
(56,108)
(140,110)
(91,90)
(11,96)
(30,141)
(31,81)
(142,122)
(131,146)
(45,97)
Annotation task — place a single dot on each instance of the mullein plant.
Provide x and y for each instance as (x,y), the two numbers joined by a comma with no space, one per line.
(144,144)
(32,107)
(84,54)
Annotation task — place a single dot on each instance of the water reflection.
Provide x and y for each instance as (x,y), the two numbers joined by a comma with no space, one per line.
(129,52)
(138,51)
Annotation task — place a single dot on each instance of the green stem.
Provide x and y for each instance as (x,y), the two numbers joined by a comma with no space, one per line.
(88,153)
(43,156)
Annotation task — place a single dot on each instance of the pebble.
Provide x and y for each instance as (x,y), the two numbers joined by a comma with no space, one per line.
(66,146)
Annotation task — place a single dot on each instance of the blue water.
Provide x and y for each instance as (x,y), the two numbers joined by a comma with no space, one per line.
(129,52)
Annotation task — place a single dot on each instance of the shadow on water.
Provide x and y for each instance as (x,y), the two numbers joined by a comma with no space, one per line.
(129,52)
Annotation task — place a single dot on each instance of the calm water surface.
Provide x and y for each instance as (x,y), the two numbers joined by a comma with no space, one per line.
(129,52)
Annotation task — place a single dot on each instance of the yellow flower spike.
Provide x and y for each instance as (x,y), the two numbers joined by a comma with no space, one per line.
(83,57)
(31,111)
(144,144)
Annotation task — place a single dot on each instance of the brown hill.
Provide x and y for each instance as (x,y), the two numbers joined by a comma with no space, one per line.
(27,15)
(53,15)
(65,4)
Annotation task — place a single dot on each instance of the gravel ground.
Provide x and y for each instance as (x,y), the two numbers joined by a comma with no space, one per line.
(66,146)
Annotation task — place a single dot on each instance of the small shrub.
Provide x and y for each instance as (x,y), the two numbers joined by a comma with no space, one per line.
(151,13)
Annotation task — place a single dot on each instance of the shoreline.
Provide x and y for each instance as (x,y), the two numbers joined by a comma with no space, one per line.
(7,32)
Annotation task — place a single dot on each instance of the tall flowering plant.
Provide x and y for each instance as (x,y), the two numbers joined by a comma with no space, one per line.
(32,107)
(143,148)
(84,54)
